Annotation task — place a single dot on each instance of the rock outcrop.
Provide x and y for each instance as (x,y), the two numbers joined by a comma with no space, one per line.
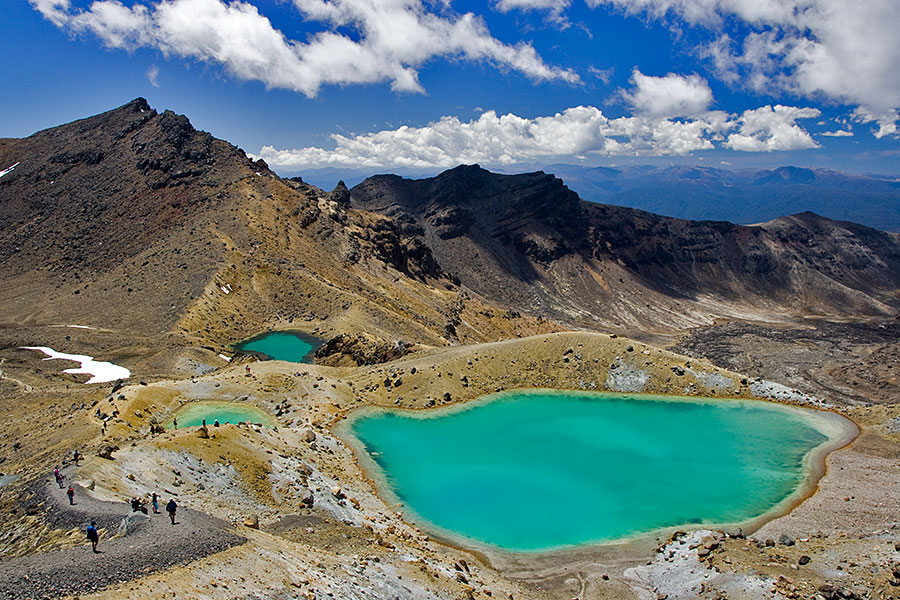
(360,349)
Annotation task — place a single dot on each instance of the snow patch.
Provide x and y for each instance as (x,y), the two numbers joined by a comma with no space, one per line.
(8,170)
(102,372)
(74,326)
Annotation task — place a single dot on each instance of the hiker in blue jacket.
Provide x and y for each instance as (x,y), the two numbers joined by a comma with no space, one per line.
(93,535)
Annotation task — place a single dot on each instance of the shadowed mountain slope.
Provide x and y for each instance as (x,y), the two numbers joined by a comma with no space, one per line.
(529,241)
(132,220)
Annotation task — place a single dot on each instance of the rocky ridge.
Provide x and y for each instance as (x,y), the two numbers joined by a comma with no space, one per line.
(528,241)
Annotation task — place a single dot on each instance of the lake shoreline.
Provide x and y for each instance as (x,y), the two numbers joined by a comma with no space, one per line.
(838,430)
(310,340)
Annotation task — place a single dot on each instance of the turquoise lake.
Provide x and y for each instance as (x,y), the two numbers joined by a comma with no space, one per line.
(193,414)
(540,470)
(290,346)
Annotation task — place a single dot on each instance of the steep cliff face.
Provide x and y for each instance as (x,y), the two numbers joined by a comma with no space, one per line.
(495,234)
(529,241)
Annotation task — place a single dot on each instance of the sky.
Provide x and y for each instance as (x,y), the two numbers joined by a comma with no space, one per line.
(416,85)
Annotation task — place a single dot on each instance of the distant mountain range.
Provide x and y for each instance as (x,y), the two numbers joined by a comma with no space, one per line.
(741,196)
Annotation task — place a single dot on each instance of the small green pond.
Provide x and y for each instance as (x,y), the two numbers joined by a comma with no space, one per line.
(290,346)
(540,469)
(193,414)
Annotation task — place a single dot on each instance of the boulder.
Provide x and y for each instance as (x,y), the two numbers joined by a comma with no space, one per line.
(132,522)
(106,451)
(252,522)
(360,349)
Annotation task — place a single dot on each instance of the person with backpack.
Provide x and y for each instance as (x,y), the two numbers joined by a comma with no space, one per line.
(59,477)
(154,502)
(71,494)
(171,507)
(93,535)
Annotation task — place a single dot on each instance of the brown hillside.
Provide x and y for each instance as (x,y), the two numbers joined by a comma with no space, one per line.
(134,221)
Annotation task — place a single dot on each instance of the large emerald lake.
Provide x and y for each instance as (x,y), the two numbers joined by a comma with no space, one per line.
(540,469)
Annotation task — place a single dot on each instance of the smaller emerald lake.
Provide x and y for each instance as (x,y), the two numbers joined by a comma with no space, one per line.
(539,470)
(193,414)
(290,346)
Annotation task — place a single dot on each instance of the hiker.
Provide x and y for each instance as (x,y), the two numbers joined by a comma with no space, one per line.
(175,422)
(76,456)
(216,423)
(59,477)
(171,507)
(154,502)
(135,504)
(93,535)
(71,494)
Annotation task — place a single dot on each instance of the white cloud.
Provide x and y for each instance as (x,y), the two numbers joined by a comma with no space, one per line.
(669,96)
(772,128)
(549,5)
(887,122)
(837,133)
(553,8)
(153,75)
(390,39)
(841,50)
(494,139)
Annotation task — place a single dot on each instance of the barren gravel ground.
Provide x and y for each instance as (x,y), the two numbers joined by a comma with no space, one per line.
(151,543)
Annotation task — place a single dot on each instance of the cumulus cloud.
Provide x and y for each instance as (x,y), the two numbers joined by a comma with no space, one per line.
(887,122)
(772,128)
(385,40)
(844,51)
(669,96)
(494,139)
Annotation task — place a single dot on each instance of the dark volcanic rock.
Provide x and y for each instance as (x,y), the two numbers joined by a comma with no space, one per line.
(528,241)
(361,349)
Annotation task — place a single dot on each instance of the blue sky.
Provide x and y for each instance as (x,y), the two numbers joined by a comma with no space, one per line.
(405,85)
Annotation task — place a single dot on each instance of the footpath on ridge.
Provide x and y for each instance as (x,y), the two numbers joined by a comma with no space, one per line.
(151,544)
